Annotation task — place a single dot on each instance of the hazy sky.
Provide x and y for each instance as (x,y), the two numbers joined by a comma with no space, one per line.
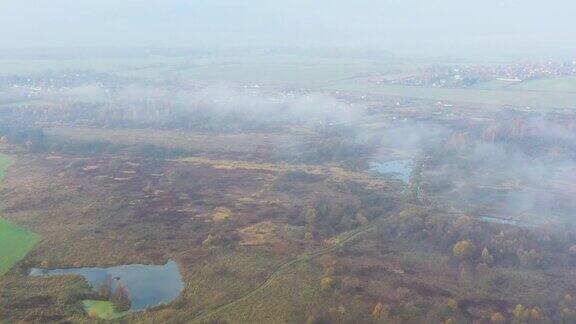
(436,27)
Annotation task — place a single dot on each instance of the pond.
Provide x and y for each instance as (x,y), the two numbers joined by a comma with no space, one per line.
(149,285)
(504,221)
(398,169)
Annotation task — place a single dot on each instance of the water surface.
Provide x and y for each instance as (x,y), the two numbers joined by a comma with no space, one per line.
(504,221)
(398,169)
(149,285)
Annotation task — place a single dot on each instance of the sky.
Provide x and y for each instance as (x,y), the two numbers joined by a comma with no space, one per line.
(430,27)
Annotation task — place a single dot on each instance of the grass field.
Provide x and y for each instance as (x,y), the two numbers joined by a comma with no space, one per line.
(560,84)
(552,84)
(32,66)
(15,242)
(507,96)
(102,309)
(322,73)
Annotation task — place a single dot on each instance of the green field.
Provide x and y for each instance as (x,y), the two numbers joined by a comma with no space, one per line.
(301,69)
(559,84)
(566,84)
(502,96)
(316,72)
(15,242)
(102,309)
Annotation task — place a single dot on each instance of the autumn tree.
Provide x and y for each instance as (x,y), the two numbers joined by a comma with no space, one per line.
(121,297)
(402,293)
(45,264)
(535,314)
(310,214)
(336,314)
(381,312)
(497,318)
(452,304)
(327,283)
(311,319)
(105,290)
(462,249)
(212,240)
(487,257)
(530,258)
(567,308)
(522,314)
(93,313)
(518,313)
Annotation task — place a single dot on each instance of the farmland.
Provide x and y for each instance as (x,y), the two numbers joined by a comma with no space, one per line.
(306,70)
(558,95)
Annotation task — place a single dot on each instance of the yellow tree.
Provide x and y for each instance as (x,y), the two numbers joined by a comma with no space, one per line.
(497,318)
(326,283)
(462,249)
(520,313)
(452,304)
(381,312)
(45,264)
(93,313)
(487,257)
(535,314)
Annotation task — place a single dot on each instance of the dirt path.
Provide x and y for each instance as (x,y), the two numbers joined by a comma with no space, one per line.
(347,238)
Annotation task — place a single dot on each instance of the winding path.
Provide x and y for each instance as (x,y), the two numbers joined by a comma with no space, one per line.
(209,312)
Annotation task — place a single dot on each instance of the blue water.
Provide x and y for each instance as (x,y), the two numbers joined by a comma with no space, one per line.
(399,169)
(504,221)
(149,285)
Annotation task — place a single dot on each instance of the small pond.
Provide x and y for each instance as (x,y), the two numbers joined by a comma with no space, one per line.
(398,169)
(504,221)
(149,285)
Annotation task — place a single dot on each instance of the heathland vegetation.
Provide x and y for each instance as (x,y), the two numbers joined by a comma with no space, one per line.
(259,194)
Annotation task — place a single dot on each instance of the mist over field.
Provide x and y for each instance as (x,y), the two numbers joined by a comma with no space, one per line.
(258,161)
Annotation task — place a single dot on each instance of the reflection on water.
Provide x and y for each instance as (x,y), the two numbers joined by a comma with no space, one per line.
(149,285)
(399,169)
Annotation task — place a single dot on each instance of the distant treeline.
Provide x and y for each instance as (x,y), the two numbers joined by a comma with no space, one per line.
(36,140)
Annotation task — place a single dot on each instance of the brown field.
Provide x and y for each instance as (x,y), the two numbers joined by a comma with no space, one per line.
(83,208)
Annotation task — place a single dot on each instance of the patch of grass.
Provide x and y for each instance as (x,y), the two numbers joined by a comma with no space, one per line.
(493,85)
(15,243)
(101,309)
